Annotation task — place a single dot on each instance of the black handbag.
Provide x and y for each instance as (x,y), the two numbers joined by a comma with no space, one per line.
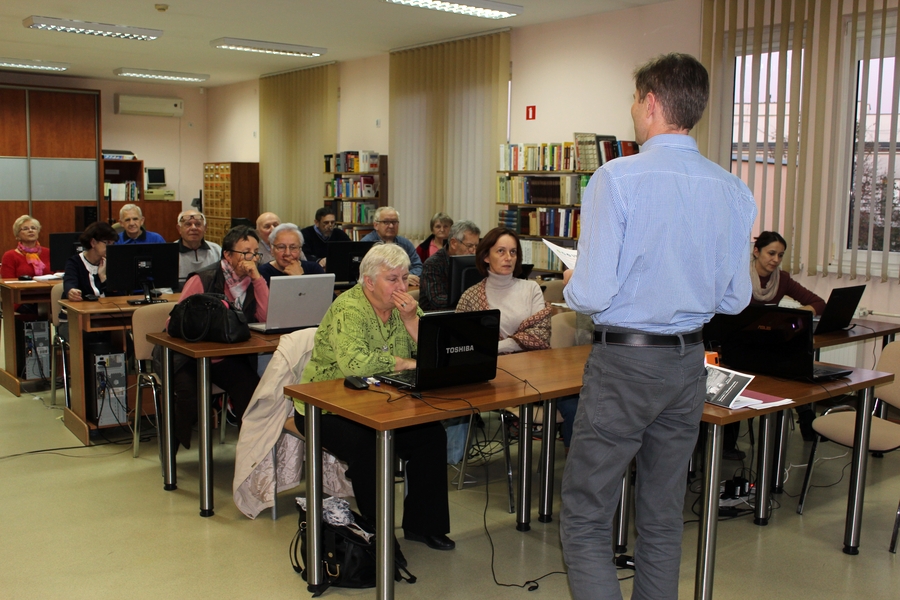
(208,318)
(348,558)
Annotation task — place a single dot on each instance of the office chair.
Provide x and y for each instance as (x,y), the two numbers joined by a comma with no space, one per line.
(553,290)
(838,424)
(147,319)
(60,345)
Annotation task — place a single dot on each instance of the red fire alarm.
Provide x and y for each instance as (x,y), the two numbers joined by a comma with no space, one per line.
(529,113)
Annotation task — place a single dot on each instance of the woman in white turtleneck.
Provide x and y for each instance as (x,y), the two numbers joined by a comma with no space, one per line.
(524,316)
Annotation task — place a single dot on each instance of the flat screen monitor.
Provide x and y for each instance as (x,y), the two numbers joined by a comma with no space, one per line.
(145,267)
(235,221)
(156,177)
(343,260)
(463,275)
(62,246)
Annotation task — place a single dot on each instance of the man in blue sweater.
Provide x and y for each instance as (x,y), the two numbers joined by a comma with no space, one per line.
(132,219)
(387,224)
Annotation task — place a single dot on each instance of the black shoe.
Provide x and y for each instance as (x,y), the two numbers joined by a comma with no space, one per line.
(733,454)
(437,542)
(805,420)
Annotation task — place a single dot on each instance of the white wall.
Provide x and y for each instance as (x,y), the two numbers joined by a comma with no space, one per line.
(233,114)
(364,99)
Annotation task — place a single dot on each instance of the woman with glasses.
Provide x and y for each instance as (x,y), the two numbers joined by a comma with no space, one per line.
(287,244)
(237,277)
(28,258)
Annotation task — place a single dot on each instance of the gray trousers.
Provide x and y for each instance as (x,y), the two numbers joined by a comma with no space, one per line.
(636,401)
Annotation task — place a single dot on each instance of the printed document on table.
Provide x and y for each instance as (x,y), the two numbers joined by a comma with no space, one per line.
(566,255)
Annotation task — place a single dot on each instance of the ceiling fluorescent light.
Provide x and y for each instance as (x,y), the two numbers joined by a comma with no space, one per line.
(33,65)
(100,29)
(473,8)
(162,75)
(227,43)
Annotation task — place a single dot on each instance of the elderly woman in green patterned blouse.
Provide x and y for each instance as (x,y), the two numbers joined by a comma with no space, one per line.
(372,329)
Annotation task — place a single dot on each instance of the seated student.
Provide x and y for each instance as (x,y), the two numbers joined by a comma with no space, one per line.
(370,329)
(440,231)
(434,285)
(85,273)
(286,248)
(317,236)
(194,252)
(387,226)
(237,277)
(28,258)
(265,224)
(132,220)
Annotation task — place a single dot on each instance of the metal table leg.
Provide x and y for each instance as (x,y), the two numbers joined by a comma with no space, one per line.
(764,469)
(314,575)
(170,481)
(782,431)
(523,508)
(205,446)
(709,518)
(865,400)
(384,552)
(548,460)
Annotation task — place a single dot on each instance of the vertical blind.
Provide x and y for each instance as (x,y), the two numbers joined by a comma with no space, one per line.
(297,127)
(803,107)
(448,105)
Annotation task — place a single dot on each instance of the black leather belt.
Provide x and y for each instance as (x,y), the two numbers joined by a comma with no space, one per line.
(648,339)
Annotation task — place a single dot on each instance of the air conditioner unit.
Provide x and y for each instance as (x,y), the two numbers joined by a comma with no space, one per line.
(149,105)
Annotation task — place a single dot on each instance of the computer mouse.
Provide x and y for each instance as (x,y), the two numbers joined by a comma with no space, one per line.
(355,383)
(90,298)
(25,277)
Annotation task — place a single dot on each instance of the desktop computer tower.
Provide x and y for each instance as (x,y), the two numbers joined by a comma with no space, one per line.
(33,348)
(105,384)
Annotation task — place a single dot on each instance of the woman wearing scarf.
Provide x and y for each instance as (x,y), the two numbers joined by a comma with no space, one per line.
(237,277)
(29,257)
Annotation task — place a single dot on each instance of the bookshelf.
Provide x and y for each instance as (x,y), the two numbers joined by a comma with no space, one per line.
(124,179)
(230,189)
(356,185)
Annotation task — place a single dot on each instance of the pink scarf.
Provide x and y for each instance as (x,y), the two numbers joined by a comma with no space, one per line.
(33,257)
(236,285)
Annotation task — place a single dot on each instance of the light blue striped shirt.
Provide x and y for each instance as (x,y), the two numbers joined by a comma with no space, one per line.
(664,240)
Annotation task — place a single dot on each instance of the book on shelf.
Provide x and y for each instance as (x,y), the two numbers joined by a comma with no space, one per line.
(628,147)
(357,232)
(587,152)
(126,191)
(546,156)
(368,161)
(609,148)
(353,211)
(367,186)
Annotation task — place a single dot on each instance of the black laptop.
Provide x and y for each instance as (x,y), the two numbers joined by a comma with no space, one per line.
(840,308)
(453,349)
(769,340)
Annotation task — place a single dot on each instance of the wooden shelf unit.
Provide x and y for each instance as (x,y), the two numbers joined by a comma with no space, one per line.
(344,205)
(118,171)
(230,189)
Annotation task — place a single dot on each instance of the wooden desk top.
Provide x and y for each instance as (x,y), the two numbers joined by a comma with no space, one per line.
(15,284)
(110,305)
(863,330)
(255,345)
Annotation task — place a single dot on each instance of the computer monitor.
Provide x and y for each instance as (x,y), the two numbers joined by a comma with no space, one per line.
(343,260)
(131,267)
(62,246)
(235,221)
(463,275)
(156,177)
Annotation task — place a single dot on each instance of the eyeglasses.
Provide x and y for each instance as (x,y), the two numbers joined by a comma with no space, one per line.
(29,228)
(191,221)
(389,223)
(247,255)
(283,247)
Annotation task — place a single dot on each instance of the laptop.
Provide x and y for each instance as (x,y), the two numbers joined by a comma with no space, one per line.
(453,349)
(297,302)
(769,340)
(840,308)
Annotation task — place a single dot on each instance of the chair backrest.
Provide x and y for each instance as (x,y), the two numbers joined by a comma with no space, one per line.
(890,363)
(562,329)
(553,290)
(414,293)
(56,293)
(148,319)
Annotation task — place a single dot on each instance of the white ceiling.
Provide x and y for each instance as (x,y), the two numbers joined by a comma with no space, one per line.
(350,29)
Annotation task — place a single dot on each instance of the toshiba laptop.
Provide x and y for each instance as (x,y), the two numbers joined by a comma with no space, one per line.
(770,340)
(453,349)
(296,302)
(840,308)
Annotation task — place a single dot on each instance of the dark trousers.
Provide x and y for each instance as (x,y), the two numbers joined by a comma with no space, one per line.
(426,508)
(234,374)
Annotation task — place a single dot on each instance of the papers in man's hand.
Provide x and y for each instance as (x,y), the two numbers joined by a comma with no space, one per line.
(724,387)
(566,255)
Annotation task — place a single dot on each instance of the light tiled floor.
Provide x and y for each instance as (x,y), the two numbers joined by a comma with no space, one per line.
(93,522)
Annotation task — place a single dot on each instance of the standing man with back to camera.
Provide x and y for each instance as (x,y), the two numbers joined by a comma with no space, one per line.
(644,218)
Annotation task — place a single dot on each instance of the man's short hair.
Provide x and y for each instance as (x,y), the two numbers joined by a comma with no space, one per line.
(459,230)
(383,209)
(129,208)
(323,212)
(236,234)
(199,214)
(680,83)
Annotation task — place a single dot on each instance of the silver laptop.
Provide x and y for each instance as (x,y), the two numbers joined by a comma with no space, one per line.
(296,302)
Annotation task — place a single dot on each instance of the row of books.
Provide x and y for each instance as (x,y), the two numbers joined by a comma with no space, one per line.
(538,157)
(351,187)
(524,189)
(357,232)
(127,191)
(348,211)
(364,161)
(543,221)
(536,253)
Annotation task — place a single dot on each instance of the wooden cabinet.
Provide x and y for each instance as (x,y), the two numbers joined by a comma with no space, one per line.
(355,196)
(124,179)
(230,190)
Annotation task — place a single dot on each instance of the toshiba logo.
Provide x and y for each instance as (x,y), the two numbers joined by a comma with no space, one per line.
(460,349)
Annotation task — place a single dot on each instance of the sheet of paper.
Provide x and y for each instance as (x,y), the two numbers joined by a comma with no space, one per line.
(18,281)
(52,277)
(757,405)
(566,255)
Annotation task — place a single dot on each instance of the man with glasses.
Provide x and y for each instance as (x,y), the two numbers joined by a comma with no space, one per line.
(434,288)
(194,252)
(316,237)
(287,243)
(387,226)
